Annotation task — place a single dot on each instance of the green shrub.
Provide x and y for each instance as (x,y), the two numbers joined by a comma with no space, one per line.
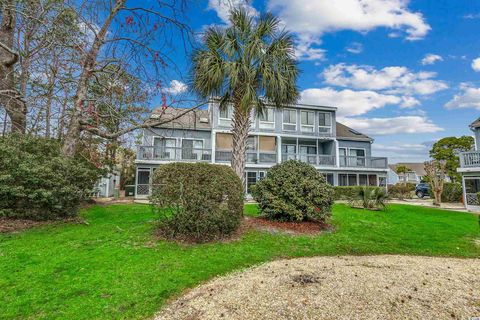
(452,192)
(371,198)
(36,182)
(401,190)
(198,202)
(294,191)
(345,193)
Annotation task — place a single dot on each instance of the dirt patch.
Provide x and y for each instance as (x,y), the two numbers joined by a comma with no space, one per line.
(368,287)
(17,225)
(304,227)
(13,225)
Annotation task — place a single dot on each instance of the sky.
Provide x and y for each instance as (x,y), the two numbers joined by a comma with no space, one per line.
(407,73)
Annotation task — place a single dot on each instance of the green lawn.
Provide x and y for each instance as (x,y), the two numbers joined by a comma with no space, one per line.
(112,268)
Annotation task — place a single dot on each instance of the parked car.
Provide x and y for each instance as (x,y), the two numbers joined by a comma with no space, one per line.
(422,190)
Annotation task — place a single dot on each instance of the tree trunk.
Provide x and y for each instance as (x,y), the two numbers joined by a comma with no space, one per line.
(241,126)
(10,98)
(438,197)
(89,62)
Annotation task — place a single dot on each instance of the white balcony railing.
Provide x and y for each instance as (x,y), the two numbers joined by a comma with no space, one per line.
(313,159)
(173,154)
(363,162)
(252,156)
(470,159)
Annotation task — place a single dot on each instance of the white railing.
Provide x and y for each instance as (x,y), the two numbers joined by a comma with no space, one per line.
(173,154)
(470,159)
(251,156)
(363,162)
(313,159)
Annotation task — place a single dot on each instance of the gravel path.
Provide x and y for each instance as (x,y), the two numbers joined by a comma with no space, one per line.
(364,287)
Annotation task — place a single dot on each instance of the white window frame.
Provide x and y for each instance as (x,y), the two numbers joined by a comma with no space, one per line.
(289,123)
(328,127)
(225,121)
(303,126)
(197,151)
(265,124)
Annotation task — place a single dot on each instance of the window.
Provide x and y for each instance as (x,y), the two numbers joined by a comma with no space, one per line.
(192,149)
(382,181)
(343,156)
(372,180)
(225,116)
(267,119)
(307,121)
(324,122)
(289,152)
(164,148)
(362,179)
(328,177)
(308,154)
(289,120)
(357,158)
(252,149)
(347,180)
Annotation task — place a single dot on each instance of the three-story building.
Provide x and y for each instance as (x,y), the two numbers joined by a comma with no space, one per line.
(302,132)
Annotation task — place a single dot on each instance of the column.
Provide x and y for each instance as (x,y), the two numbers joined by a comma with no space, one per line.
(213,145)
(337,154)
(279,149)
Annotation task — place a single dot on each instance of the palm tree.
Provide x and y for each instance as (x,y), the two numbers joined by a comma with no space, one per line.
(249,64)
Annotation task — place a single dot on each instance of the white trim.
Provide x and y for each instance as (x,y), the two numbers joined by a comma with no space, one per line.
(307,125)
(289,123)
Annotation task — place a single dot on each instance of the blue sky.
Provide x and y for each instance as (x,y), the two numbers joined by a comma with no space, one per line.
(403,72)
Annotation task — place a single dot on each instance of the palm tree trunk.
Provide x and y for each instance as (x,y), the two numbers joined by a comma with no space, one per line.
(241,126)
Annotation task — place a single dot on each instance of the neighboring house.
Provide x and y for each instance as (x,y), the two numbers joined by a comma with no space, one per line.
(470,171)
(416,175)
(303,132)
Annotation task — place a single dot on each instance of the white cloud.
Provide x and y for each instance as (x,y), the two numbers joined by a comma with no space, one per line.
(355,48)
(304,51)
(349,102)
(409,102)
(315,18)
(223,7)
(472,16)
(392,79)
(176,87)
(468,98)
(395,125)
(476,64)
(431,58)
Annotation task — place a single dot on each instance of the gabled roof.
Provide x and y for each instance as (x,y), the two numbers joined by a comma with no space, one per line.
(475,124)
(417,167)
(193,120)
(347,133)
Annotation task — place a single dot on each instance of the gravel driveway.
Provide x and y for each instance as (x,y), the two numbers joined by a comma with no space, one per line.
(364,287)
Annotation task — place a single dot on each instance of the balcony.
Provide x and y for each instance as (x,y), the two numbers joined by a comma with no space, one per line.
(470,159)
(174,154)
(323,160)
(363,162)
(225,156)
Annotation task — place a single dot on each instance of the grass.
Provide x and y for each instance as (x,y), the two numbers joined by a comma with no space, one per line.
(112,267)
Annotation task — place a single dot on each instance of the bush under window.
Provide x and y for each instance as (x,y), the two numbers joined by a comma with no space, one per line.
(36,182)
(197,201)
(294,191)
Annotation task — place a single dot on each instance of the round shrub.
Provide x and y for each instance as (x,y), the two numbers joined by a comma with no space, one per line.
(36,182)
(198,202)
(294,191)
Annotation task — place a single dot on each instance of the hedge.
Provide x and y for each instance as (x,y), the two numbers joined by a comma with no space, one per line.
(294,191)
(37,182)
(197,202)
